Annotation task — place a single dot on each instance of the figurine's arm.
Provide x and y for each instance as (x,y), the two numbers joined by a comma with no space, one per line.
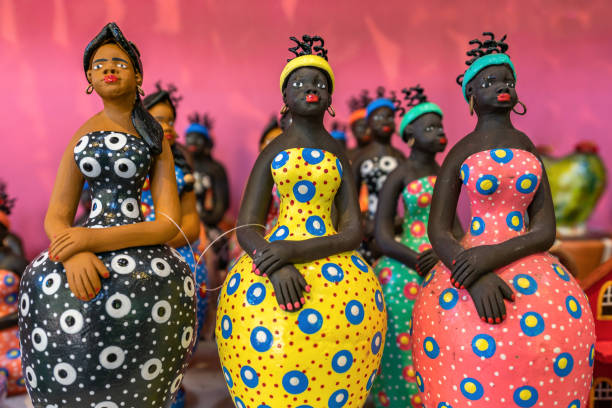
(220,197)
(385,217)
(190,221)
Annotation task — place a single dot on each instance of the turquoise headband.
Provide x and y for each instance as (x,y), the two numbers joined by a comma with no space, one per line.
(415,112)
(483,62)
(379,103)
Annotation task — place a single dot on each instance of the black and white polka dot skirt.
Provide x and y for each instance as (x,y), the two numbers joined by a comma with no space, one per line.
(126,348)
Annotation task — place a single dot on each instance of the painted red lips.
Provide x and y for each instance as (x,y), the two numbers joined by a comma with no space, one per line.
(109,79)
(386,128)
(505,97)
(443,140)
(312,98)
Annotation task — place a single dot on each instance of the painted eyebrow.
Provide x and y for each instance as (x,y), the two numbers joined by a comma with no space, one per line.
(491,77)
(100,60)
(119,59)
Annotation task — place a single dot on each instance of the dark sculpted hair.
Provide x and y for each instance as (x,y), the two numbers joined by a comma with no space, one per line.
(205,121)
(414,95)
(361,101)
(6,202)
(146,126)
(380,94)
(310,45)
(482,48)
(163,95)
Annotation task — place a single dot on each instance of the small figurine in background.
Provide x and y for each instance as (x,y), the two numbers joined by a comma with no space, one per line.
(107,315)
(376,161)
(271,132)
(577,182)
(162,104)
(406,261)
(338,132)
(358,122)
(301,319)
(12,255)
(504,318)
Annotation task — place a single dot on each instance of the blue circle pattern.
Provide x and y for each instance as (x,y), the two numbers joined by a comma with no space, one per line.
(297,377)
(249,371)
(280,234)
(263,344)
(490,190)
(233,284)
(535,330)
(376,343)
(435,349)
(592,355)
(574,404)
(478,392)
(304,321)
(239,403)
(359,263)
(226,321)
(509,218)
(341,369)
(479,229)
(528,402)
(529,290)
(256,298)
(315,225)
(354,312)
(11,299)
(561,272)
(496,154)
(444,405)
(491,347)
(333,400)
(371,380)
(339,167)
(465,173)
(332,272)
(451,303)
(313,156)
(569,364)
(533,183)
(9,280)
(280,160)
(578,313)
(419,381)
(380,303)
(429,277)
(309,192)
(228,377)
(13,354)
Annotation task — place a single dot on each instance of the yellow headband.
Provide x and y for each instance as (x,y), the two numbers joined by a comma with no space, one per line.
(307,61)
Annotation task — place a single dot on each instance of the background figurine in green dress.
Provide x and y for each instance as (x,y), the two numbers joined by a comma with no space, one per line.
(405,262)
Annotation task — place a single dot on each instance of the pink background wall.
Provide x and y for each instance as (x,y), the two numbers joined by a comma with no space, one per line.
(225,57)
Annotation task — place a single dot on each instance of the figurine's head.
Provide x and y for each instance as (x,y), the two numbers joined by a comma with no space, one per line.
(307,81)
(380,115)
(422,125)
(489,82)
(271,132)
(162,104)
(6,206)
(112,66)
(339,133)
(197,136)
(357,120)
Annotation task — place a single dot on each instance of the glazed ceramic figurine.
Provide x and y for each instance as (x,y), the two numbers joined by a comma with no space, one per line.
(376,161)
(162,106)
(499,322)
(107,314)
(12,256)
(359,123)
(10,354)
(301,319)
(271,132)
(405,263)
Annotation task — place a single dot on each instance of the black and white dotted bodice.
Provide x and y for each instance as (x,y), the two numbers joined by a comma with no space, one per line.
(115,166)
(374,172)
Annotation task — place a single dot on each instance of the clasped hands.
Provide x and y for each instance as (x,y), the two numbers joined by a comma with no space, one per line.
(274,261)
(83,268)
(472,270)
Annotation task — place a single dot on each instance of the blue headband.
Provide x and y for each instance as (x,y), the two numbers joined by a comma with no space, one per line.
(338,134)
(379,103)
(197,128)
(483,62)
(416,111)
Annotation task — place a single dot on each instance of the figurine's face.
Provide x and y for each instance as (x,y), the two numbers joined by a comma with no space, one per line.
(112,74)
(381,123)
(493,89)
(307,92)
(359,129)
(162,112)
(428,133)
(197,143)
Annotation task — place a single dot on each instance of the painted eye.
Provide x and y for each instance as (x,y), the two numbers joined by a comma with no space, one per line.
(297,84)
(121,65)
(510,84)
(322,86)
(97,66)
(429,128)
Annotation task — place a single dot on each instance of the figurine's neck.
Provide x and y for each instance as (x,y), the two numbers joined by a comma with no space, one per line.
(119,110)
(422,157)
(494,120)
(308,124)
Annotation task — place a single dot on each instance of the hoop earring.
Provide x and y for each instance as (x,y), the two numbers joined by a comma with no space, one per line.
(284,109)
(89,89)
(140,91)
(410,142)
(524,108)
(472,105)
(331,111)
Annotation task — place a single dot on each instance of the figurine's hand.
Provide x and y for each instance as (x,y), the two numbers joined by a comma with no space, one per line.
(289,284)
(274,256)
(470,265)
(82,271)
(488,294)
(69,242)
(426,261)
